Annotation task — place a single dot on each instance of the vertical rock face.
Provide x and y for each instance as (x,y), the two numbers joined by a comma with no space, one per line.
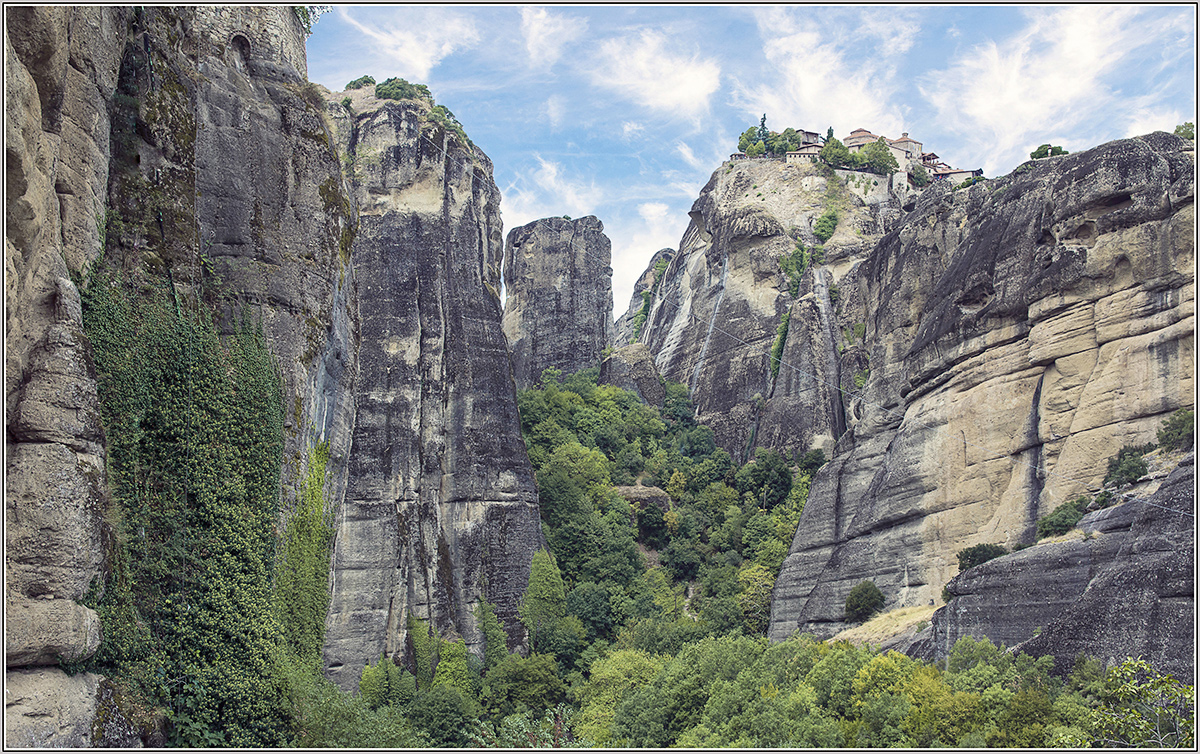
(1019,333)
(440,507)
(625,330)
(722,298)
(60,65)
(558,283)
(184,143)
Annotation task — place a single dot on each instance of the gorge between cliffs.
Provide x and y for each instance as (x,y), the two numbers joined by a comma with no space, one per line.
(276,442)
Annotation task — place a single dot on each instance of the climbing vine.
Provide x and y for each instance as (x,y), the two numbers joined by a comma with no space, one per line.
(195,435)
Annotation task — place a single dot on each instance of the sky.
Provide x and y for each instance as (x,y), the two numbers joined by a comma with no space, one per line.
(624,112)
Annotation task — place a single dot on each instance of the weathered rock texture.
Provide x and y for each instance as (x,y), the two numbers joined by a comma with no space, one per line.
(632,368)
(1121,585)
(184,142)
(716,315)
(558,289)
(440,507)
(624,328)
(1019,333)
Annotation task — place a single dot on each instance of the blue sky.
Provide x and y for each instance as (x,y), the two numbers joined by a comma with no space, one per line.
(624,112)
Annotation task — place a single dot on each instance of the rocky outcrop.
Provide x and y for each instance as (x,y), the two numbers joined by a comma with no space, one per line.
(60,67)
(1141,602)
(184,143)
(632,368)
(1018,334)
(626,330)
(722,299)
(558,305)
(440,508)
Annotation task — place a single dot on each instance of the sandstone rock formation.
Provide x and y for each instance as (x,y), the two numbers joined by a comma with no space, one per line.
(1121,584)
(558,287)
(185,142)
(624,329)
(1019,333)
(632,368)
(440,507)
(722,299)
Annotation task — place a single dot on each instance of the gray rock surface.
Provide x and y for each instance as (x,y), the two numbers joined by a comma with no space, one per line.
(558,288)
(715,318)
(632,368)
(44,708)
(440,507)
(1019,333)
(623,329)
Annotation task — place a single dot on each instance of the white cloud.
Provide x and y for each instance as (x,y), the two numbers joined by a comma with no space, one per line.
(653,212)
(553,110)
(641,68)
(630,129)
(896,30)
(820,77)
(423,41)
(546,35)
(689,156)
(1049,79)
(1149,119)
(634,241)
(547,192)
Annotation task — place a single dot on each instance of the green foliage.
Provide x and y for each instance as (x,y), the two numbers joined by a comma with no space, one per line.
(1144,708)
(794,265)
(1063,518)
(452,667)
(1179,431)
(556,729)
(425,643)
(494,635)
(1046,150)
(308,15)
(825,225)
(362,81)
(384,684)
(970,182)
(327,717)
(920,176)
(523,684)
(861,377)
(879,159)
(400,89)
(1186,130)
(780,342)
(768,478)
(444,715)
(864,600)
(978,554)
(346,103)
(195,436)
(302,571)
(835,154)
(545,602)
(1127,466)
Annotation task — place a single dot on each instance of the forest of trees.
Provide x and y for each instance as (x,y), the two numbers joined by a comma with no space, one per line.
(646,626)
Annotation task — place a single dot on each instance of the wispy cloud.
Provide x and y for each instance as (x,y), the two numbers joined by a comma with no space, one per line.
(553,110)
(546,35)
(820,78)
(422,42)
(546,191)
(1049,81)
(641,67)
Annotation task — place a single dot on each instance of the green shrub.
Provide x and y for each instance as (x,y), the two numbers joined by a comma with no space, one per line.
(826,224)
(947,595)
(864,601)
(360,82)
(973,556)
(346,102)
(399,89)
(1127,465)
(1179,431)
(1063,518)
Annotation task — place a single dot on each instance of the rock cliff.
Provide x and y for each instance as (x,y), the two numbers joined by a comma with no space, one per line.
(1122,584)
(724,295)
(440,508)
(1018,333)
(184,143)
(625,330)
(558,287)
